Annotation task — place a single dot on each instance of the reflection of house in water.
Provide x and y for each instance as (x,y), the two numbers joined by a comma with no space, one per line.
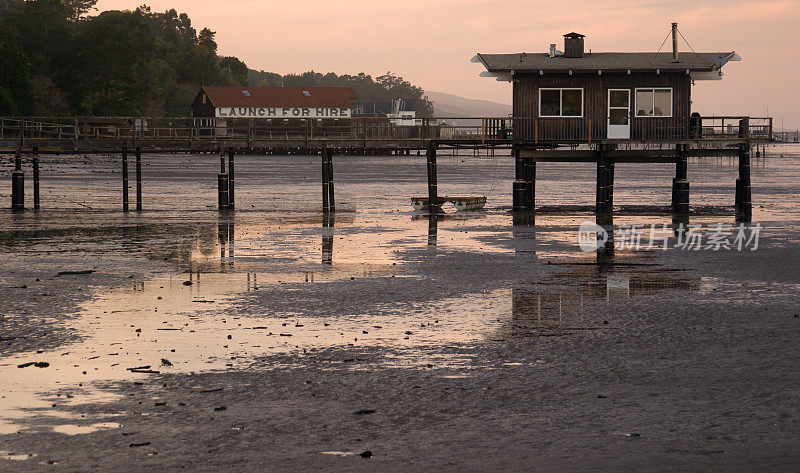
(552,305)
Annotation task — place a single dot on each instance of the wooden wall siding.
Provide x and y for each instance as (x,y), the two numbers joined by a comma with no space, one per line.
(595,105)
(200,109)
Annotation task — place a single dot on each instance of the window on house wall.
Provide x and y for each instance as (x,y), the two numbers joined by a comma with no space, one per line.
(654,102)
(560,102)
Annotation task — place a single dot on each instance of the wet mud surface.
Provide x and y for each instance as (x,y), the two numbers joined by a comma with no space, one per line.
(274,339)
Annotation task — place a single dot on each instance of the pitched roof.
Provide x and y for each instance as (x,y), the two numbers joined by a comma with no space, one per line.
(333,97)
(605,62)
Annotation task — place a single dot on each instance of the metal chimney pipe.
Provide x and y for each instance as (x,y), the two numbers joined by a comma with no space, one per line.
(552,50)
(675,42)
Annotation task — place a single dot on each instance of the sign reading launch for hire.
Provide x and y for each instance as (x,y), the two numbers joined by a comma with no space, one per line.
(282,112)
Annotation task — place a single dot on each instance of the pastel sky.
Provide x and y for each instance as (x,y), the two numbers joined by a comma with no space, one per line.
(430,43)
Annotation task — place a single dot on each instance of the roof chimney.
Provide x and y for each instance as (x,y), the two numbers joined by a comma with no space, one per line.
(552,49)
(573,45)
(675,42)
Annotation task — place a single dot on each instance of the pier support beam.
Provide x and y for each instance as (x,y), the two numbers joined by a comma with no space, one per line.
(433,191)
(324,157)
(231,181)
(17,184)
(680,184)
(520,193)
(222,191)
(36,178)
(331,194)
(433,229)
(604,201)
(327,238)
(125,207)
(138,179)
(744,204)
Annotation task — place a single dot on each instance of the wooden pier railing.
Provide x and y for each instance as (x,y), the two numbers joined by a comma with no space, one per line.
(378,129)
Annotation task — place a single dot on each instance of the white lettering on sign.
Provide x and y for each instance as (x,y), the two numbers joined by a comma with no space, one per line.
(282,112)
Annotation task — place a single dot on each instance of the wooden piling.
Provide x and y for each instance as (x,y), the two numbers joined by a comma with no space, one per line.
(433,192)
(17,184)
(519,189)
(744,207)
(325,176)
(602,178)
(680,184)
(36,178)
(530,185)
(331,198)
(433,228)
(222,191)
(609,184)
(231,180)
(125,207)
(327,238)
(138,179)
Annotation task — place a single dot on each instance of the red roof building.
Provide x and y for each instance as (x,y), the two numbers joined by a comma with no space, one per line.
(274,102)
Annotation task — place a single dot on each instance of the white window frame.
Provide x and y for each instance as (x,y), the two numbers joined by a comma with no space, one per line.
(636,102)
(561,102)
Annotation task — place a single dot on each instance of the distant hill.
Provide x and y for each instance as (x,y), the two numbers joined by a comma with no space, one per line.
(449,105)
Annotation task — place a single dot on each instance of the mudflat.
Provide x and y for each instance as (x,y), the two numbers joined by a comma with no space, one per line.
(275,340)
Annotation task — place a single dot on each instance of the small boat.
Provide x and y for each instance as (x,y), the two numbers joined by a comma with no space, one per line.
(461,203)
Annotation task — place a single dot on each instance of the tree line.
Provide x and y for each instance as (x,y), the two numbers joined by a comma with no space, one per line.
(57,60)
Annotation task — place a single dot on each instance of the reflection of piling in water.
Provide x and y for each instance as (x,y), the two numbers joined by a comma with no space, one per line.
(231,240)
(327,238)
(524,232)
(225,234)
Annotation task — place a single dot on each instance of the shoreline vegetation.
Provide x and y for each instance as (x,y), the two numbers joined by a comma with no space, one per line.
(57,60)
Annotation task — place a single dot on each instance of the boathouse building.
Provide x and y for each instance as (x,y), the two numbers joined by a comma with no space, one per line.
(578,95)
(274,102)
(218,109)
